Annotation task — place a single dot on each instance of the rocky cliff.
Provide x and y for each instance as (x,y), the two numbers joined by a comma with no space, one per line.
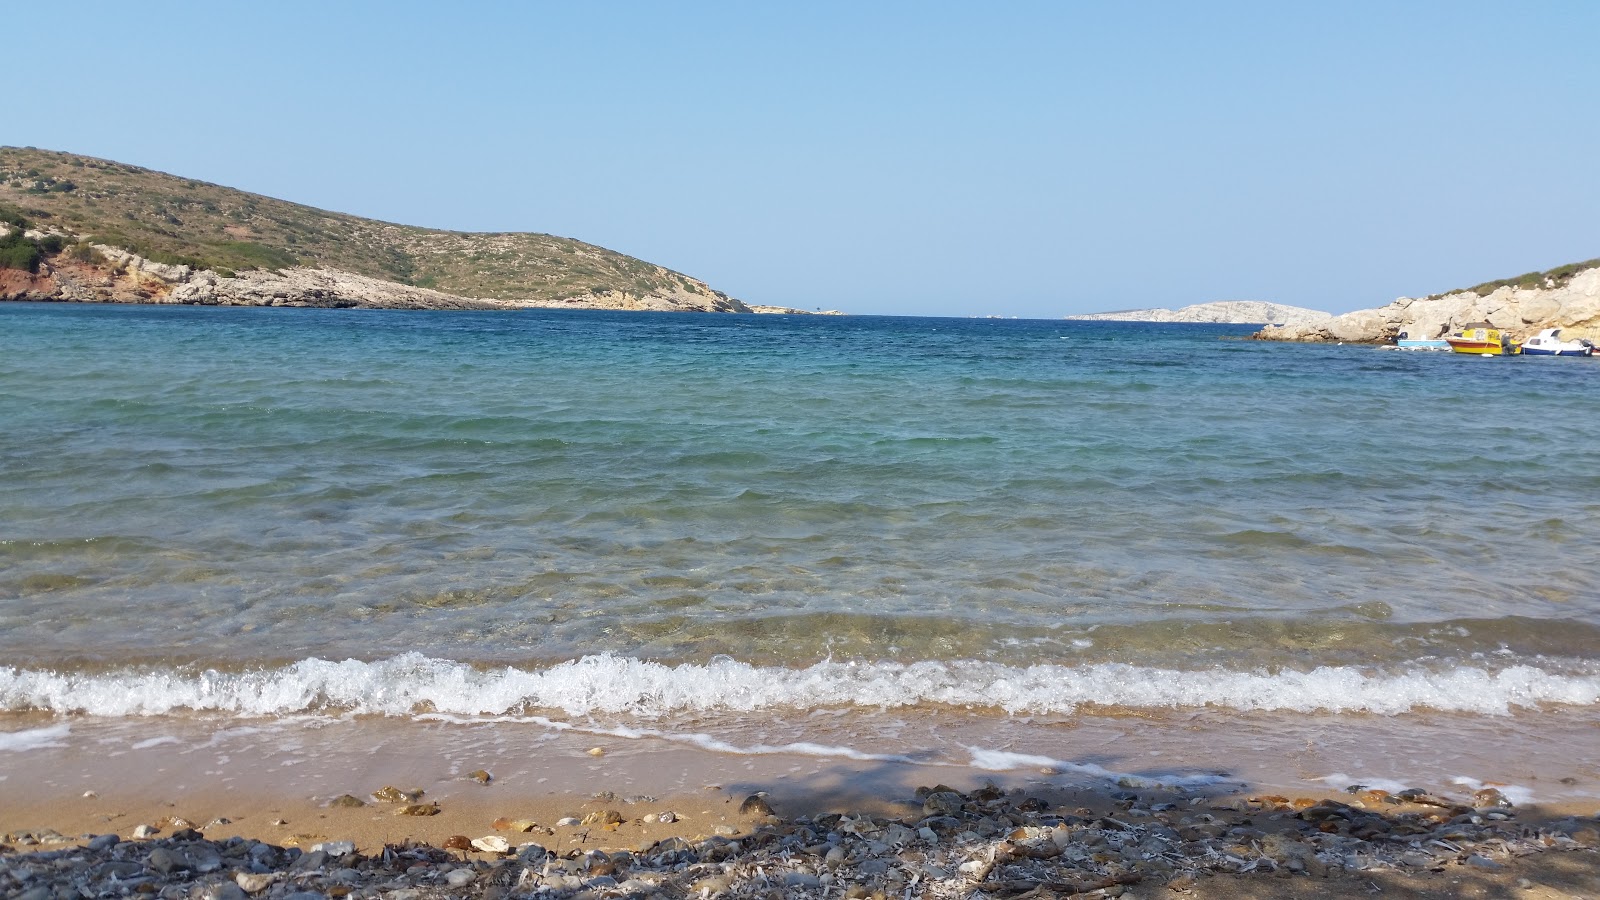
(1569,302)
(1241,312)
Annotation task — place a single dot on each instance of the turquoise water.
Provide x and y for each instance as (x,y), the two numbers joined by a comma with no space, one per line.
(215,508)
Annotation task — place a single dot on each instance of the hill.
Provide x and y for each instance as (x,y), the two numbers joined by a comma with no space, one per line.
(1241,312)
(170,224)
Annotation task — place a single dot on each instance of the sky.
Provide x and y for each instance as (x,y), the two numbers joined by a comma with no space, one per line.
(921,158)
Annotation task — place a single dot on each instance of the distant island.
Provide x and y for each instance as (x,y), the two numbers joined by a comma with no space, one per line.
(1236,312)
(78,229)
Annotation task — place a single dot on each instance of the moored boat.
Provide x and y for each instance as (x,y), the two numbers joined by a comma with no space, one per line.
(1549,343)
(1411,339)
(1482,339)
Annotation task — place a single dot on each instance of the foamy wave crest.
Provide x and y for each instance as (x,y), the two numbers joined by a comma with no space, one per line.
(412,684)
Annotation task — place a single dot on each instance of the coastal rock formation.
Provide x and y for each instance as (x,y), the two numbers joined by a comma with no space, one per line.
(1572,306)
(115,275)
(105,231)
(1241,312)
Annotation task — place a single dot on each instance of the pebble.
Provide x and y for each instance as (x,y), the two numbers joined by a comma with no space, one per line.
(144,832)
(392,794)
(493,843)
(460,878)
(255,882)
(481,776)
(334,848)
(597,751)
(568,821)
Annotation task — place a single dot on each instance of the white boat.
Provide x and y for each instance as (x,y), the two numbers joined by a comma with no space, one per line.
(1549,343)
(1407,341)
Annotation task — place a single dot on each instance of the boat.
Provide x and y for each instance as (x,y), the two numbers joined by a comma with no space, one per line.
(1407,340)
(1549,343)
(1482,339)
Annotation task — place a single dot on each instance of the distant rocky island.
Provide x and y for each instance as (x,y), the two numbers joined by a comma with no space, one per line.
(1237,312)
(1566,297)
(78,229)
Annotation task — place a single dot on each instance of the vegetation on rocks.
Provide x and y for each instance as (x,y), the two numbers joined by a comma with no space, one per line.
(182,222)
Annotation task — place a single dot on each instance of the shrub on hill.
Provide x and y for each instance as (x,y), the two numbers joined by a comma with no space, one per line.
(18,252)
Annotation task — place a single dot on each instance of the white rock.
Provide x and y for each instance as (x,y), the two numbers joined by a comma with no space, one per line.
(492,843)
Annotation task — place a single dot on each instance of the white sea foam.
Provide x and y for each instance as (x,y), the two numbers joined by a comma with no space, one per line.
(34,738)
(411,684)
(1004,761)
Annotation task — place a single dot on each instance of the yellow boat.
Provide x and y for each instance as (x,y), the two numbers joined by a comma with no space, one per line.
(1482,339)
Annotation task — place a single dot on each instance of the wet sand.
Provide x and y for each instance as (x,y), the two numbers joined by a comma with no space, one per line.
(279,785)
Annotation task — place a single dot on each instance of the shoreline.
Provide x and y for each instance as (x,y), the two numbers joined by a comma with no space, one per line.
(577,793)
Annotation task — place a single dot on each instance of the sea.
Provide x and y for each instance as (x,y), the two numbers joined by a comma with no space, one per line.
(1139,552)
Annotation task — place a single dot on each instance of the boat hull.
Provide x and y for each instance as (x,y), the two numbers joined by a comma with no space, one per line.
(1479,348)
(1535,351)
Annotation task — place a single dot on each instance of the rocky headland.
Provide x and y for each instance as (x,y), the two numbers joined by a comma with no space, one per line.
(1569,300)
(1238,312)
(97,231)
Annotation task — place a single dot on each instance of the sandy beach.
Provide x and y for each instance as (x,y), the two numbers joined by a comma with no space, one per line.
(583,817)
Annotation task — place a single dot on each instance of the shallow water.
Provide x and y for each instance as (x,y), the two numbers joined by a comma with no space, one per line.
(770,516)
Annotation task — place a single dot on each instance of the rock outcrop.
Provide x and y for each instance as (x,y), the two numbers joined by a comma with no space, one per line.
(1238,312)
(118,276)
(1573,306)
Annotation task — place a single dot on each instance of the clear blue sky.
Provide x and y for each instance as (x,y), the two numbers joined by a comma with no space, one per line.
(1029,159)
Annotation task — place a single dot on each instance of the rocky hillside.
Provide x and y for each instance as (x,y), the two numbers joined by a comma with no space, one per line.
(127,234)
(1241,312)
(1567,297)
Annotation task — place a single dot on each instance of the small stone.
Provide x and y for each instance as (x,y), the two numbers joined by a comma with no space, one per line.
(668,817)
(603,817)
(103,842)
(597,751)
(481,776)
(255,882)
(460,878)
(725,830)
(493,843)
(568,821)
(418,809)
(1490,798)
(145,832)
(458,842)
(755,805)
(1483,862)
(392,794)
(801,880)
(203,859)
(166,861)
(90,795)
(226,890)
(335,848)
(347,801)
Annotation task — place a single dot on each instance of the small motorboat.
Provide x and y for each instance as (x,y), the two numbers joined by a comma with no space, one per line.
(1482,339)
(1411,339)
(1549,343)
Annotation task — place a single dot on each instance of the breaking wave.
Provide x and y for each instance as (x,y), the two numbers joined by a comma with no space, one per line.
(413,684)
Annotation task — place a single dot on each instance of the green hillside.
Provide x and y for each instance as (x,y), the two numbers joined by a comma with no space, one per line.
(177,220)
